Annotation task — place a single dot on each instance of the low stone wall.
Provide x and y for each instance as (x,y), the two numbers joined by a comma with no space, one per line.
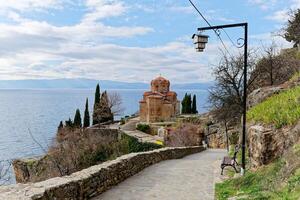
(94,180)
(42,168)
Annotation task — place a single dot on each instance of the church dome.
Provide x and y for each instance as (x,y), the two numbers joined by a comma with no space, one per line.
(160,84)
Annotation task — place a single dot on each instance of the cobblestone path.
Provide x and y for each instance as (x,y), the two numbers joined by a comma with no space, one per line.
(190,178)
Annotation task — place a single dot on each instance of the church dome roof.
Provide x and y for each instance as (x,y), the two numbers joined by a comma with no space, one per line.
(160,80)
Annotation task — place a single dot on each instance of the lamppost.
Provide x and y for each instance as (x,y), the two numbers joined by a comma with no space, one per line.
(200,41)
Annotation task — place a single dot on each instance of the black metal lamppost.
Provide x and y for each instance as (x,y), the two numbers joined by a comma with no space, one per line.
(200,41)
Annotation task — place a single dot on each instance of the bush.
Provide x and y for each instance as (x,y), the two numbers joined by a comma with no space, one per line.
(234,138)
(122,121)
(144,128)
(76,149)
(135,146)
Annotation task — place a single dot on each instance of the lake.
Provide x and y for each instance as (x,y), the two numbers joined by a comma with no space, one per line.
(40,111)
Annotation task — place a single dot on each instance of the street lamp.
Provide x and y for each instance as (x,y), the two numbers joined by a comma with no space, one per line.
(200,43)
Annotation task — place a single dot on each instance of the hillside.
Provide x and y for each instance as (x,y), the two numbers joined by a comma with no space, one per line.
(278,180)
(274,148)
(88,84)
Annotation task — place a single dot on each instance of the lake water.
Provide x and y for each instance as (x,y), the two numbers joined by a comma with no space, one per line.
(39,112)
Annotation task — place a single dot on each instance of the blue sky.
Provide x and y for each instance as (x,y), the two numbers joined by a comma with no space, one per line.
(126,40)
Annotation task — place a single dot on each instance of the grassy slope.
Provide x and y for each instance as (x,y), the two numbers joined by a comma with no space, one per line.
(274,181)
(281,109)
(279,180)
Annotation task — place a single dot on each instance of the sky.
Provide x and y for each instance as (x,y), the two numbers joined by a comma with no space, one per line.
(127,40)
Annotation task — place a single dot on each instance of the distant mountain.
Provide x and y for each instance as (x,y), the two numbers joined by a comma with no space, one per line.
(87,84)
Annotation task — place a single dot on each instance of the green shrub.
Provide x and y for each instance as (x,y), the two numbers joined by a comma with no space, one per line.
(135,146)
(281,109)
(234,138)
(122,121)
(295,77)
(144,128)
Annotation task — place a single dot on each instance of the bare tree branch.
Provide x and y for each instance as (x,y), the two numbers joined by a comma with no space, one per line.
(115,103)
(5,175)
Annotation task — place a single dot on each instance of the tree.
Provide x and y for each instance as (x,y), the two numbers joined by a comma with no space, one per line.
(86,118)
(292,30)
(115,103)
(189,104)
(183,104)
(96,102)
(5,175)
(69,123)
(61,125)
(226,97)
(77,119)
(274,67)
(102,112)
(194,105)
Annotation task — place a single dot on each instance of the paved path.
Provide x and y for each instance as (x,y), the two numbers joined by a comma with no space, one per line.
(189,178)
(130,129)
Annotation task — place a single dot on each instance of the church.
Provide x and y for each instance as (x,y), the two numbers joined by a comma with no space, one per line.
(160,104)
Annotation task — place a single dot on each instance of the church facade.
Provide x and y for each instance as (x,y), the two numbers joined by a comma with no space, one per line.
(159,104)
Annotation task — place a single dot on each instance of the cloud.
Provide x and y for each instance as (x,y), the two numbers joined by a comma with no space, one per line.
(29,5)
(283,14)
(99,9)
(263,4)
(265,39)
(279,16)
(176,60)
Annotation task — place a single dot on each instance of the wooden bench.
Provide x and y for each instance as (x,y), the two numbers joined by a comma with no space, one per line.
(230,161)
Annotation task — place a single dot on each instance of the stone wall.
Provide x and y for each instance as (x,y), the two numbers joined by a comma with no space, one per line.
(94,180)
(42,168)
(267,143)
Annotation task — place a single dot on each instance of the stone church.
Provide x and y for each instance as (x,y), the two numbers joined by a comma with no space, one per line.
(159,104)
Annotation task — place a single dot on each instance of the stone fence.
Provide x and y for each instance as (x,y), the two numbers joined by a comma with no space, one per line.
(94,180)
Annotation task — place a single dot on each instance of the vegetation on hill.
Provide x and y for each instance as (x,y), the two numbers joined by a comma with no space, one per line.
(292,30)
(278,180)
(281,109)
(76,149)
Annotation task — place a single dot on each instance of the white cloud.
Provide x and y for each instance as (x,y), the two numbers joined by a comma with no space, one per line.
(38,49)
(263,39)
(27,5)
(263,4)
(99,9)
(279,16)
(283,14)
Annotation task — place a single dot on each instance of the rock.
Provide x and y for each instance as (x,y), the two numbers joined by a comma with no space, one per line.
(261,94)
(267,143)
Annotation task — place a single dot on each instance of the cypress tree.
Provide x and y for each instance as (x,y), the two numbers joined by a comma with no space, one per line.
(97,95)
(77,119)
(194,105)
(61,125)
(189,104)
(86,118)
(183,104)
(96,102)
